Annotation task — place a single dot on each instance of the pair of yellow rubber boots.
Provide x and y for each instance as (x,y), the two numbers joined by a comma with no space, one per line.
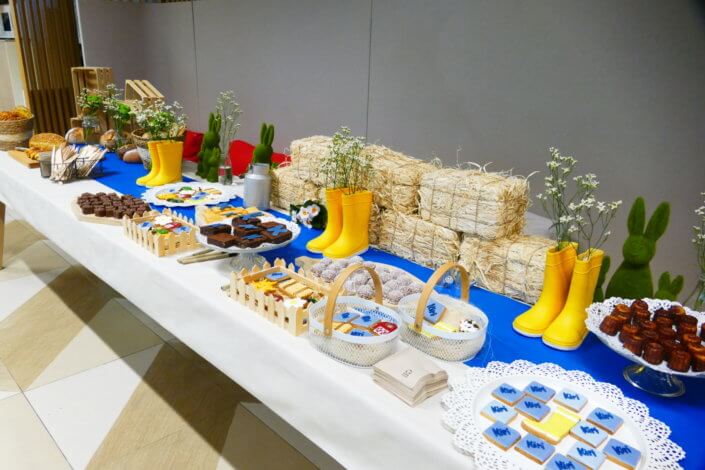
(568,288)
(347,229)
(166,163)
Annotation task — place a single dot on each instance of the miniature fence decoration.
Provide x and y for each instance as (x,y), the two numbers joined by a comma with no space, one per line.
(292,319)
(158,244)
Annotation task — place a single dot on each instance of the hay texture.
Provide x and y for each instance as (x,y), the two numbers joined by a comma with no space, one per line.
(510,267)
(417,240)
(395,179)
(488,205)
(288,188)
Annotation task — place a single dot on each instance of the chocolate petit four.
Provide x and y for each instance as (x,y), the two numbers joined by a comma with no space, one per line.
(676,311)
(649,335)
(670,345)
(639,305)
(654,353)
(622,454)
(628,330)
(634,344)
(695,349)
(611,325)
(622,308)
(698,363)
(647,325)
(686,329)
(690,339)
(641,316)
(663,322)
(666,333)
(702,331)
(207,230)
(223,240)
(679,360)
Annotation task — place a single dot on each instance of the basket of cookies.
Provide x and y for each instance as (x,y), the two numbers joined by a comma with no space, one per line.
(440,325)
(353,330)
(15,127)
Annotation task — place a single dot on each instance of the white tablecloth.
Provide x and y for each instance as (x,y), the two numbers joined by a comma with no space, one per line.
(337,407)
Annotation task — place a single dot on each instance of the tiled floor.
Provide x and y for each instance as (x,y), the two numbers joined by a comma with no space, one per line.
(89,381)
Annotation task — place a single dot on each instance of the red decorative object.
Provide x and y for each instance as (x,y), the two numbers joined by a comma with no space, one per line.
(241,156)
(192,145)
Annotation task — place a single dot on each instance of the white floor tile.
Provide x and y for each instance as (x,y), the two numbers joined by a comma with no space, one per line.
(15,292)
(79,410)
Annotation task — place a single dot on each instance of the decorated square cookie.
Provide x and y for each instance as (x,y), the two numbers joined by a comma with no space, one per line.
(586,455)
(501,435)
(345,317)
(555,427)
(610,422)
(507,394)
(588,433)
(539,391)
(383,327)
(535,448)
(561,462)
(357,332)
(277,276)
(622,454)
(434,311)
(496,411)
(532,408)
(570,399)
(366,320)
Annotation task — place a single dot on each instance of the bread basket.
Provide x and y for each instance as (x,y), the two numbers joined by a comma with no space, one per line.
(439,343)
(359,351)
(15,133)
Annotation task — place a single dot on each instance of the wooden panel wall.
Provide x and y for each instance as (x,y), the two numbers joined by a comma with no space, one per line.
(48,43)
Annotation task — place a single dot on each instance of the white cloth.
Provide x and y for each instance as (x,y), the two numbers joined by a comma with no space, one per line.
(337,407)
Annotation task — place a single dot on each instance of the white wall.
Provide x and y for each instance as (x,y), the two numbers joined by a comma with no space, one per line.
(617,84)
(11,87)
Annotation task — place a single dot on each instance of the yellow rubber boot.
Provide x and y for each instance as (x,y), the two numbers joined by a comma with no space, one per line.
(170,154)
(334,225)
(154,171)
(568,330)
(556,281)
(354,238)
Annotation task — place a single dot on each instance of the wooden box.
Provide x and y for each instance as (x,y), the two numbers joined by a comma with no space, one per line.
(161,245)
(291,318)
(141,90)
(92,78)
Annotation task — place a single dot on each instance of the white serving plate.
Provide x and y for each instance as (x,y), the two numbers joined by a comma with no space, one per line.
(226,193)
(292,226)
(598,311)
(472,392)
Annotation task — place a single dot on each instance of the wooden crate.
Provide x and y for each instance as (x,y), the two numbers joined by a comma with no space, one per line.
(292,319)
(161,245)
(92,78)
(141,90)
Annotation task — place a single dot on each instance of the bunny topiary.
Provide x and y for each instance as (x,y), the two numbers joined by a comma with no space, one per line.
(263,151)
(207,157)
(667,289)
(632,279)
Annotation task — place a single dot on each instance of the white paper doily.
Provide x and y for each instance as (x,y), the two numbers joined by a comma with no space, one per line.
(461,416)
(597,311)
(226,193)
(292,226)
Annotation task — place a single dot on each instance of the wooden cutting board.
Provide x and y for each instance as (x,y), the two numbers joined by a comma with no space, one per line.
(21,157)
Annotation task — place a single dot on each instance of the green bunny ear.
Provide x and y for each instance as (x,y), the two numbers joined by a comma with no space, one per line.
(658,222)
(664,282)
(263,133)
(270,137)
(210,121)
(637,216)
(677,285)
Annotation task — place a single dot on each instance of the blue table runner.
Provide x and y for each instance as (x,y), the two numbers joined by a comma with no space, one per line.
(685,415)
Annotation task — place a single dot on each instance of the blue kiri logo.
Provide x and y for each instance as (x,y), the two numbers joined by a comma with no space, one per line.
(621,450)
(532,404)
(586,452)
(538,388)
(498,409)
(589,429)
(507,390)
(535,445)
(570,396)
(500,432)
(562,465)
(603,416)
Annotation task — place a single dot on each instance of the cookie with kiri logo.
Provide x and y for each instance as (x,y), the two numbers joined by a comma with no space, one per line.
(571,400)
(501,435)
(507,394)
(622,454)
(606,420)
(496,411)
(535,448)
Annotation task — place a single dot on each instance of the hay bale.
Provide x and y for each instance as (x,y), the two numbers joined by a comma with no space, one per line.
(510,267)
(417,240)
(394,183)
(488,205)
(396,178)
(288,188)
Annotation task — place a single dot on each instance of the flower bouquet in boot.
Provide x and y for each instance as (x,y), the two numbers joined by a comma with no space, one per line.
(579,222)
(348,202)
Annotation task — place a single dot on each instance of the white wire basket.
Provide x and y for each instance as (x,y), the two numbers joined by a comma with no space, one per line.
(359,351)
(444,345)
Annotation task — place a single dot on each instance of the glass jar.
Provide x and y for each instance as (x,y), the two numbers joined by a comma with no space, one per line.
(91,129)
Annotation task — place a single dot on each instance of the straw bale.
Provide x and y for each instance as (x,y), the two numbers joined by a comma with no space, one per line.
(307,156)
(288,188)
(417,240)
(510,267)
(476,202)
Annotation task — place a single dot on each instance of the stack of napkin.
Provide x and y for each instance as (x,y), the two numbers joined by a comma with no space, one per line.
(410,375)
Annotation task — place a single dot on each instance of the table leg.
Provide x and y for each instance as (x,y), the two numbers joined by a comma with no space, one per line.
(2,231)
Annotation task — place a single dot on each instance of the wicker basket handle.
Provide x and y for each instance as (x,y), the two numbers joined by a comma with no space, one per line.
(428,289)
(338,286)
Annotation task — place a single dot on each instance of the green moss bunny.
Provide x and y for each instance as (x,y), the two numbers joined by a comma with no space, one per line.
(209,156)
(632,279)
(667,289)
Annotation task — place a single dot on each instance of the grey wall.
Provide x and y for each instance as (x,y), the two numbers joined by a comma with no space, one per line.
(619,84)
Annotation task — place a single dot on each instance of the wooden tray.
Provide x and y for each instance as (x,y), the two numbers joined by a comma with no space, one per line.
(161,245)
(292,319)
(103,220)
(22,158)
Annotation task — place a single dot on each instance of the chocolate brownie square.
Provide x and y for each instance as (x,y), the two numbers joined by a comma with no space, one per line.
(223,240)
(252,240)
(215,228)
(252,218)
(246,229)
(277,234)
